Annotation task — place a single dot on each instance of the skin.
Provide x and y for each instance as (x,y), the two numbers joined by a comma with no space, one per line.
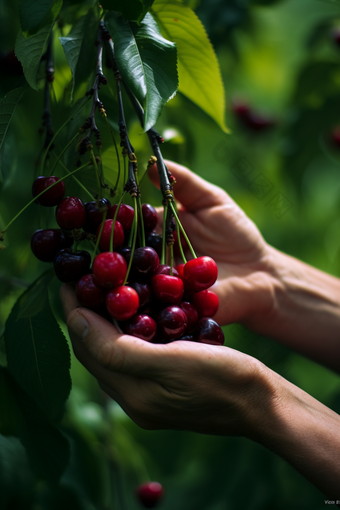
(218,390)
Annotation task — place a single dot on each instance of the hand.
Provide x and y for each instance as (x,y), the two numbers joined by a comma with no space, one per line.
(181,385)
(217,227)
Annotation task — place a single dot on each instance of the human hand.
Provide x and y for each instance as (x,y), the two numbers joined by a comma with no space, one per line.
(218,227)
(180,385)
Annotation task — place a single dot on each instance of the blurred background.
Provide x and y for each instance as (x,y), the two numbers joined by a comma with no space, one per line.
(280,63)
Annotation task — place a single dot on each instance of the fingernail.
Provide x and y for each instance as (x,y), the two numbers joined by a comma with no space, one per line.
(79,326)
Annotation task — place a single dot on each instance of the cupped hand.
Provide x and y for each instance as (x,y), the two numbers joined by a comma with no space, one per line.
(217,227)
(180,385)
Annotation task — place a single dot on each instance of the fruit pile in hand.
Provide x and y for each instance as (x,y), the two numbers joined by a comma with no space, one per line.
(150,300)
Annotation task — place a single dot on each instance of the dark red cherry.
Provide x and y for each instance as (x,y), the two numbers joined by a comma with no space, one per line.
(180,270)
(191,313)
(71,213)
(172,322)
(122,302)
(200,273)
(258,122)
(142,326)
(88,293)
(207,331)
(150,217)
(240,109)
(144,293)
(335,137)
(109,269)
(125,215)
(45,244)
(188,338)
(206,302)
(126,252)
(94,214)
(164,269)
(118,235)
(168,289)
(52,196)
(145,261)
(149,494)
(154,240)
(69,266)
(336,36)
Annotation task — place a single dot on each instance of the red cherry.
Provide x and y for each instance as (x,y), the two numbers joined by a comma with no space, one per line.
(122,302)
(200,273)
(45,244)
(240,109)
(149,494)
(180,270)
(51,197)
(168,289)
(206,303)
(125,215)
(164,269)
(150,217)
(88,293)
(145,261)
(207,331)
(71,213)
(109,269)
(118,236)
(191,313)
(144,293)
(172,322)
(94,214)
(142,326)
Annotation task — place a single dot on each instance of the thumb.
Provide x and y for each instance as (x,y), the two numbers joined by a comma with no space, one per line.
(111,349)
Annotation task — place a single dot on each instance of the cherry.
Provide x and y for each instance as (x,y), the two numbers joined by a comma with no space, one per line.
(172,322)
(336,36)
(126,252)
(109,269)
(188,338)
(125,215)
(168,289)
(150,217)
(206,303)
(118,235)
(154,240)
(71,213)
(149,493)
(70,266)
(142,326)
(45,244)
(88,293)
(200,273)
(145,261)
(94,214)
(258,122)
(163,269)
(335,137)
(51,197)
(207,331)
(240,109)
(122,302)
(191,313)
(180,270)
(144,293)
(187,289)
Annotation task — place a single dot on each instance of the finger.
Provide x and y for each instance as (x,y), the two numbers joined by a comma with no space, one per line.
(68,299)
(193,192)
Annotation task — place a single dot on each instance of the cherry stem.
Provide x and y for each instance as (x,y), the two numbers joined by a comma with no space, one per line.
(36,197)
(179,224)
(114,220)
(62,152)
(171,258)
(141,220)
(78,182)
(135,221)
(98,237)
(164,233)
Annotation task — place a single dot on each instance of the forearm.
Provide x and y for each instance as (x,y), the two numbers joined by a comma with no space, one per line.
(305,313)
(306,434)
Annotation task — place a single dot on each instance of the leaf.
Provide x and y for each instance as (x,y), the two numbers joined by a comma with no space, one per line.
(79,47)
(29,52)
(7,108)
(37,352)
(198,69)
(133,10)
(10,415)
(35,14)
(146,61)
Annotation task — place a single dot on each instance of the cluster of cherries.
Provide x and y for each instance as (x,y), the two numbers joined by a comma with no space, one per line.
(160,303)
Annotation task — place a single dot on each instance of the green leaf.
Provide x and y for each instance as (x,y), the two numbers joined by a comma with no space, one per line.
(11,415)
(146,61)
(79,48)
(7,108)
(133,10)
(37,352)
(35,14)
(29,52)
(198,69)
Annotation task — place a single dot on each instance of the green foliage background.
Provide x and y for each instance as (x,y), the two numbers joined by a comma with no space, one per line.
(281,58)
